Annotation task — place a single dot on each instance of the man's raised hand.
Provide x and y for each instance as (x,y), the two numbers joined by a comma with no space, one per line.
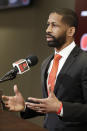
(14,103)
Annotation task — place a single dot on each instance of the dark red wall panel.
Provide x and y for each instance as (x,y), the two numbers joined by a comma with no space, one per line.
(81,10)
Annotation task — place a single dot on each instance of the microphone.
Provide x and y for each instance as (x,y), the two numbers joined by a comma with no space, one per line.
(20,67)
(24,65)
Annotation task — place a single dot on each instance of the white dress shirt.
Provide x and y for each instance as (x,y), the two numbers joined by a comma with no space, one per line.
(64,53)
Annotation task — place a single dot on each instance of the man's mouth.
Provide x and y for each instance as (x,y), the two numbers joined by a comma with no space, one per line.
(49,38)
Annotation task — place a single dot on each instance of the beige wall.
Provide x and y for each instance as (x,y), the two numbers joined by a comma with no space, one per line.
(22,32)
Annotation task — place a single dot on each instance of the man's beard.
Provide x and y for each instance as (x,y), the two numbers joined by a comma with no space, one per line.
(57,42)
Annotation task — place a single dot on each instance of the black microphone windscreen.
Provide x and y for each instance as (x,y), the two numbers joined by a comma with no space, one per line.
(32,60)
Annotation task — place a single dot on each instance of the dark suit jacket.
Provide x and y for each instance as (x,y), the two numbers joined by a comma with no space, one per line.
(71,89)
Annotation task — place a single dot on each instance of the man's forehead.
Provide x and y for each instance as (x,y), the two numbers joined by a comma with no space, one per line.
(54,17)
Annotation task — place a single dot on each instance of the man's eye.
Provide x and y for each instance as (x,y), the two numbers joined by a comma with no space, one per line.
(54,25)
(48,24)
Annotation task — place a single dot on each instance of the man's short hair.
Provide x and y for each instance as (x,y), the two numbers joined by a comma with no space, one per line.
(69,17)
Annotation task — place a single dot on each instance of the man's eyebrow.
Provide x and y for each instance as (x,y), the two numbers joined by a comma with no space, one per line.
(51,22)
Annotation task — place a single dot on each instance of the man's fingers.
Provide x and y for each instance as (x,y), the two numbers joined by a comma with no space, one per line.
(36,100)
(6,102)
(7,106)
(37,109)
(16,91)
(35,105)
(42,111)
(33,108)
(12,108)
(5,98)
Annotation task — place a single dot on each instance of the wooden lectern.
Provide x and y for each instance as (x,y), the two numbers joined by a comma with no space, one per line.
(10,122)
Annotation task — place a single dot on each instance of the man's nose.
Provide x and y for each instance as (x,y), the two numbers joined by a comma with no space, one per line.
(49,29)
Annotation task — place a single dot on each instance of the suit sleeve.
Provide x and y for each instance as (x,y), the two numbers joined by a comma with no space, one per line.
(74,112)
(77,111)
(28,113)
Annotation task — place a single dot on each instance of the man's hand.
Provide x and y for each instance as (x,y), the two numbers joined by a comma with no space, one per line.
(47,105)
(14,103)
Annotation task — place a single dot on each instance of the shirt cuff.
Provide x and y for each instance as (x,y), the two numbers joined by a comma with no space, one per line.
(60,111)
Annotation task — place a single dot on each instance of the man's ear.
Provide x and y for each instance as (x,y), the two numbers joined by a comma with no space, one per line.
(71,31)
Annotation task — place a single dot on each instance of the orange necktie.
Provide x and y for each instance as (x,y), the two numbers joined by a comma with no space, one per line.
(52,74)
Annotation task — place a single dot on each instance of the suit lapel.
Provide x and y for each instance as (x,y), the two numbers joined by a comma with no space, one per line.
(45,73)
(66,66)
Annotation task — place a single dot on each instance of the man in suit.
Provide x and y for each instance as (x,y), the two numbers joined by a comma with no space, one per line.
(63,77)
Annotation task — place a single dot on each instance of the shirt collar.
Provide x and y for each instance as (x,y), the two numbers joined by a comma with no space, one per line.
(67,50)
